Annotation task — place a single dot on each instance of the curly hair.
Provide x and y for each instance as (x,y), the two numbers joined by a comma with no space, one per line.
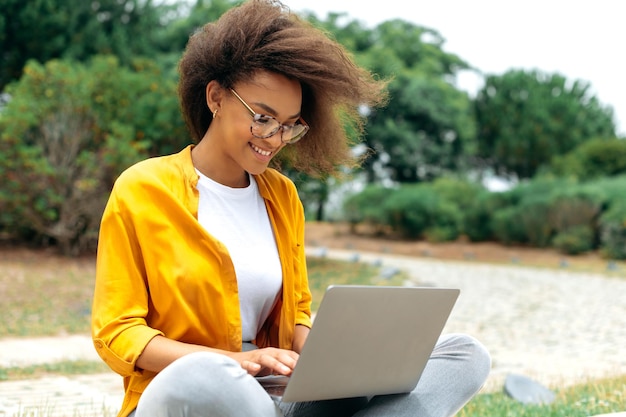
(263,35)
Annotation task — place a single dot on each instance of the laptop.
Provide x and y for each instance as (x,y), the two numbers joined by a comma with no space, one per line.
(365,341)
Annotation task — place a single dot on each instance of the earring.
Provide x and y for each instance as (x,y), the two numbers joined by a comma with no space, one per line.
(214,113)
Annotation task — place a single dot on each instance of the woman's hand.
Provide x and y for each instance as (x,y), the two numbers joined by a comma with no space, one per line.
(260,362)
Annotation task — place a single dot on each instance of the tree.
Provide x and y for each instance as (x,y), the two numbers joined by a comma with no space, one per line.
(424,132)
(66,134)
(427,129)
(525,118)
(173,38)
(592,159)
(77,29)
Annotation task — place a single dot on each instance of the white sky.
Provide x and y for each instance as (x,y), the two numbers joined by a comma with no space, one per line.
(582,40)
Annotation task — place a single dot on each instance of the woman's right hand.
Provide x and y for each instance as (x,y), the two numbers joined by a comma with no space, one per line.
(266,361)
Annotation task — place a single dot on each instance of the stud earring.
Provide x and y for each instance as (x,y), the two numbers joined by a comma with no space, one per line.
(214,113)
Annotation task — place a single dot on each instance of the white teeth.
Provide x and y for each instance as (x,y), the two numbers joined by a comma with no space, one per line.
(261,151)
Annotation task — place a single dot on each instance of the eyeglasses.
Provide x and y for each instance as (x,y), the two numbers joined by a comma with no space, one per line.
(264,126)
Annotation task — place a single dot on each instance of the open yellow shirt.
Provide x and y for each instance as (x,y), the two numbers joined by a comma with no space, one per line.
(160,273)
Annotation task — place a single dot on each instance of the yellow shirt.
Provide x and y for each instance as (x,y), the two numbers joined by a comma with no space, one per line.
(160,273)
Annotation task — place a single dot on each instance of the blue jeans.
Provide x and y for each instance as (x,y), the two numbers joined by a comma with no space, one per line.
(212,385)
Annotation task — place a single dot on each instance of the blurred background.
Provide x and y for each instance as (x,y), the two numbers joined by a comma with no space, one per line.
(505,121)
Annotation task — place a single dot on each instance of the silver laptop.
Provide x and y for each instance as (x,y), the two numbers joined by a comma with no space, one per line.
(366,340)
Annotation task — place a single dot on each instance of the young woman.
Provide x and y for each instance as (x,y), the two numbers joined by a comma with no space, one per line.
(201,277)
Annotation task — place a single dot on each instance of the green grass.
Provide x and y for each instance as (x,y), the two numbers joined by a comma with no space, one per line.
(587,399)
(79,367)
(54,297)
(44,295)
(324,272)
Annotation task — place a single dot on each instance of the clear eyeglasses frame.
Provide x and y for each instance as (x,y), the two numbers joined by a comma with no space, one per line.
(264,126)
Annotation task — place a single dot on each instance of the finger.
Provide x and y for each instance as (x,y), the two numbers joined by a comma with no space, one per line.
(275,364)
(289,359)
(251,367)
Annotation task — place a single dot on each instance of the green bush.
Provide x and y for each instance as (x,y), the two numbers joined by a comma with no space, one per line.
(68,130)
(574,206)
(575,240)
(479,214)
(533,215)
(459,191)
(507,227)
(611,188)
(613,231)
(418,211)
(539,210)
(600,157)
(367,207)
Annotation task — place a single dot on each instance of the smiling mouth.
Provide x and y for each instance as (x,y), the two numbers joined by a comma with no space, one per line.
(260,151)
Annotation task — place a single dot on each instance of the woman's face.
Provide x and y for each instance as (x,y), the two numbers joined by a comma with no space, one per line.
(267,93)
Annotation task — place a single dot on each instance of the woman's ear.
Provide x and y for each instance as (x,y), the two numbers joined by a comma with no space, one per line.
(214,95)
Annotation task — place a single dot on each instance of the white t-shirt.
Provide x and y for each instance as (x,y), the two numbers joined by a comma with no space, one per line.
(238,218)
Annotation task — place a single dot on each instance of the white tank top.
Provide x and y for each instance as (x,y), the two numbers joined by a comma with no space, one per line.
(238,218)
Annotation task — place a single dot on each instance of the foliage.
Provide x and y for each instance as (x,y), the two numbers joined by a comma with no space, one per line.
(67,132)
(478,215)
(75,29)
(595,158)
(462,191)
(418,211)
(570,216)
(367,207)
(469,197)
(575,240)
(107,112)
(174,36)
(427,125)
(422,133)
(540,209)
(506,226)
(525,118)
(578,205)
(313,192)
(613,231)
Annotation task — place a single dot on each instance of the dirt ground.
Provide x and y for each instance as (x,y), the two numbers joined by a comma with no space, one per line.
(339,236)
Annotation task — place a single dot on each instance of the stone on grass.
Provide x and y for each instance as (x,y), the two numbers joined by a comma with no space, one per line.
(527,391)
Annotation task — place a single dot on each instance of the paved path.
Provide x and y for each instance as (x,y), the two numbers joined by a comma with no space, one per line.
(554,326)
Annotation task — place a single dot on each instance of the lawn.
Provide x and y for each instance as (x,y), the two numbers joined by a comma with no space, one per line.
(588,399)
(47,295)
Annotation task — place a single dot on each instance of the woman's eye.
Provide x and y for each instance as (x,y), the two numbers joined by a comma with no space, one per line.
(263,119)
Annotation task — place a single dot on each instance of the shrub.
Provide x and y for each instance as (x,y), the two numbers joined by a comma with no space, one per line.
(575,240)
(611,188)
(613,231)
(66,133)
(533,215)
(367,207)
(458,191)
(595,158)
(418,211)
(479,214)
(507,227)
(574,206)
